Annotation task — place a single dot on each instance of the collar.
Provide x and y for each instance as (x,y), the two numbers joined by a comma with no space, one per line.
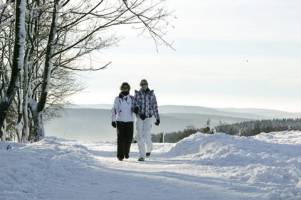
(123,96)
(145,91)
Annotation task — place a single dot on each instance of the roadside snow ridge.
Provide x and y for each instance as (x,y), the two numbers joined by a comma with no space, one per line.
(209,167)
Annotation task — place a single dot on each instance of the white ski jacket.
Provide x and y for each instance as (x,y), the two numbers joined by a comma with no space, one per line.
(123,109)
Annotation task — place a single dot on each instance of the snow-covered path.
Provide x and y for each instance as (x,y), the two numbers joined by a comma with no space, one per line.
(200,167)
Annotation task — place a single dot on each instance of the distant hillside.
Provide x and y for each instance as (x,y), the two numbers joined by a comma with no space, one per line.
(90,106)
(206,111)
(249,113)
(95,124)
(265,113)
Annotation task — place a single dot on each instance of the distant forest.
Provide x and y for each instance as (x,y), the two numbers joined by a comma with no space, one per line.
(251,128)
(248,128)
(174,137)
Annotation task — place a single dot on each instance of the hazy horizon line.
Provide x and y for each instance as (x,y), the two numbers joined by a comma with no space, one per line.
(185,105)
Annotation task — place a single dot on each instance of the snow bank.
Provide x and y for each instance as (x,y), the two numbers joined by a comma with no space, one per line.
(269,159)
(28,170)
(211,167)
(286,137)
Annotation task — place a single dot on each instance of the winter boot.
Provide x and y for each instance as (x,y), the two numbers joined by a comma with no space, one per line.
(141,159)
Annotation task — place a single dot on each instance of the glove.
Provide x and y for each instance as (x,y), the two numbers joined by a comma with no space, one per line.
(142,116)
(157,122)
(136,110)
(114,124)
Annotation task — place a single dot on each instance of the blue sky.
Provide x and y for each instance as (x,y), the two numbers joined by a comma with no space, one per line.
(229,53)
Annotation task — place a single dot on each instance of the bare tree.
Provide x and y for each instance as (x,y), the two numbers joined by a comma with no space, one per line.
(58,34)
(18,58)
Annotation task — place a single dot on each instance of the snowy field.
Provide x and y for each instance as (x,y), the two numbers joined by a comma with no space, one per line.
(201,167)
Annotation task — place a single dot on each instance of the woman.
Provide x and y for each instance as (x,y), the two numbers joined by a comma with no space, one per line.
(146,108)
(123,120)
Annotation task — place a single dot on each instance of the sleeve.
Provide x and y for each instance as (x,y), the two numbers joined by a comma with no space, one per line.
(115,109)
(135,101)
(155,108)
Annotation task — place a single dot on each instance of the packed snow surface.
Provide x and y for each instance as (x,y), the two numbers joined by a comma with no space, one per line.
(219,167)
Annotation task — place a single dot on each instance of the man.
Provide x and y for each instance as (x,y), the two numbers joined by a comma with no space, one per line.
(145,107)
(123,120)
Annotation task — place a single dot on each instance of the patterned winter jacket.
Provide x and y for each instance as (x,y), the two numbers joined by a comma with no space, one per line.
(147,103)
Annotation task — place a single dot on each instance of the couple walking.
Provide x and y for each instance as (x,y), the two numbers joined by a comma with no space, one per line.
(144,106)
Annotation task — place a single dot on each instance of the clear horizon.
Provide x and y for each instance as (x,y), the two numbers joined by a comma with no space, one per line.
(228,54)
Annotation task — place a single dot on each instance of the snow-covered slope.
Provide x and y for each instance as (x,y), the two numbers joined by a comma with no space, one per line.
(270,160)
(209,167)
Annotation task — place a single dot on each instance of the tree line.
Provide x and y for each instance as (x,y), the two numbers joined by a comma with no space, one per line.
(251,128)
(247,128)
(42,42)
(176,136)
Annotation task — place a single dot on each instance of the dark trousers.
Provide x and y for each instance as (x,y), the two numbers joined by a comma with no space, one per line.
(125,132)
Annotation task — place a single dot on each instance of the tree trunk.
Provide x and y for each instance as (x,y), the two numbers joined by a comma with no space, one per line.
(38,114)
(2,130)
(25,128)
(18,59)
(19,128)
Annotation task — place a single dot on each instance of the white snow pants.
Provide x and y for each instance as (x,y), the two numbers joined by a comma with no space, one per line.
(144,137)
